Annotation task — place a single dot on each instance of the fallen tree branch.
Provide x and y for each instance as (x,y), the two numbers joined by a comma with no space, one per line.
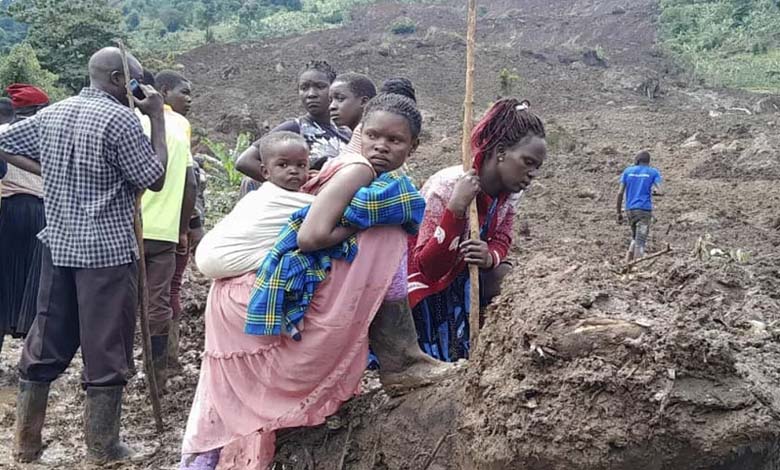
(436,449)
(630,265)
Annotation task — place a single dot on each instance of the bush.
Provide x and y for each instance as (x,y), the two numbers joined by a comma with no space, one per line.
(727,42)
(21,66)
(403,25)
(506,82)
(227,157)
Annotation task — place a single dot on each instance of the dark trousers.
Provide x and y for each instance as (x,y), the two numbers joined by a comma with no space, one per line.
(160,260)
(182,257)
(91,308)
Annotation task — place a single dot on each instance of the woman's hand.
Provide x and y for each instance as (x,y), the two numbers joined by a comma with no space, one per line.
(476,252)
(466,189)
(321,227)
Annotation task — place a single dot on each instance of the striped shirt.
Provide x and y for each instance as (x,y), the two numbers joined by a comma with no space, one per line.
(94,160)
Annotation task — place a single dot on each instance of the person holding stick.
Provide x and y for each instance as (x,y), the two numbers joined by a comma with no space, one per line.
(509,146)
(94,158)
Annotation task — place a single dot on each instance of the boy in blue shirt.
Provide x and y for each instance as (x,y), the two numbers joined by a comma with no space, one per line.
(637,184)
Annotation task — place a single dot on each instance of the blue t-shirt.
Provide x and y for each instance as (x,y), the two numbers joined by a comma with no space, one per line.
(639,181)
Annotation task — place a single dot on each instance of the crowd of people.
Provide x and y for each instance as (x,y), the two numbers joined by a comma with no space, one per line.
(330,257)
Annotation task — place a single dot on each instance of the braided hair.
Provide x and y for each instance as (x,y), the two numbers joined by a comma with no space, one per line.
(399,86)
(396,104)
(321,66)
(358,84)
(508,122)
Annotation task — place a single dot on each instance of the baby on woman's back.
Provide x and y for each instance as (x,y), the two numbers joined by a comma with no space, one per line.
(238,243)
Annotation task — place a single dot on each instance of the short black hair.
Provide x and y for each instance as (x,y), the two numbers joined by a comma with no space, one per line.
(148,78)
(358,83)
(168,79)
(399,86)
(396,104)
(642,158)
(268,141)
(7,113)
(322,67)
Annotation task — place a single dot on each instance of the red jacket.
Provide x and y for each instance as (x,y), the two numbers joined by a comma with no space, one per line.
(434,258)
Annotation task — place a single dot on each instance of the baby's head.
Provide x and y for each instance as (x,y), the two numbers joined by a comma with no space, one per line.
(285,157)
(391,127)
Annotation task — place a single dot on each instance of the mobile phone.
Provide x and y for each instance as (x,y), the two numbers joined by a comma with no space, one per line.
(135,87)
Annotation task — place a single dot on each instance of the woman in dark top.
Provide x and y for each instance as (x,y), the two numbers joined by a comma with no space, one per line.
(324,138)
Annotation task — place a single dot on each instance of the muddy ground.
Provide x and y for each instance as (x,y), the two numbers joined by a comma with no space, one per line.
(580,365)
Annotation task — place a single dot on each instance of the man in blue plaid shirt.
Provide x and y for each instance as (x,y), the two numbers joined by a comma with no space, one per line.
(94,159)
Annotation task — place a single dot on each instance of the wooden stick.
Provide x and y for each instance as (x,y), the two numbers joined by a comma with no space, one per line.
(433,455)
(143,293)
(468,122)
(345,449)
(630,265)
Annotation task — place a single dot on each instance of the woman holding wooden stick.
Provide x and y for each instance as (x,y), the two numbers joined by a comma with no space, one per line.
(508,146)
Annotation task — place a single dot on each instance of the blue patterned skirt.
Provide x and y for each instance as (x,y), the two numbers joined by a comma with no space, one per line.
(442,321)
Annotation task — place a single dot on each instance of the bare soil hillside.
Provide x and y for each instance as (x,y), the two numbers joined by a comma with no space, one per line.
(581,365)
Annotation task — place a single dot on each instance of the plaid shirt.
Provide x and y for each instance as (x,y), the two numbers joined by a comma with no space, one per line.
(94,159)
(287,279)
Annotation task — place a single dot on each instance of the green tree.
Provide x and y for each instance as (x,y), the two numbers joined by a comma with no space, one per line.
(133,20)
(173,19)
(64,34)
(206,17)
(21,66)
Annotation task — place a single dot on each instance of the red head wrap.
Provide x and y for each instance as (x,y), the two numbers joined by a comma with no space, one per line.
(23,95)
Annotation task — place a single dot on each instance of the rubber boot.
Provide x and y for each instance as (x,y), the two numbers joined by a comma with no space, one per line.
(102,411)
(160,360)
(173,345)
(403,365)
(30,414)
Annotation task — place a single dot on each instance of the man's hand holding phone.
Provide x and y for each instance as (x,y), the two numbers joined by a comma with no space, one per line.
(147,99)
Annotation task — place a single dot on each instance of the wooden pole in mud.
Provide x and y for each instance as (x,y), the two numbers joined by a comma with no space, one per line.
(468,123)
(143,293)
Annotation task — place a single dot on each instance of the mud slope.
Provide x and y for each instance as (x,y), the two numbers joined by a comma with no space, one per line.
(581,366)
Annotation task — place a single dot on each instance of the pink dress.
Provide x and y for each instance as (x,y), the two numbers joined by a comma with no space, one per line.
(251,386)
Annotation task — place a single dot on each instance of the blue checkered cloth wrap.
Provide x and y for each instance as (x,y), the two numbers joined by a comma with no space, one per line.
(288,278)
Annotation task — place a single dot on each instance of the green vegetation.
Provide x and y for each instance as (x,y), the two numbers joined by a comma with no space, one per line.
(227,158)
(403,25)
(507,81)
(21,66)
(63,34)
(733,43)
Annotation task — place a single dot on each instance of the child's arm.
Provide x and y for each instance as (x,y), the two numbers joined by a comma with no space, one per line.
(320,229)
(188,202)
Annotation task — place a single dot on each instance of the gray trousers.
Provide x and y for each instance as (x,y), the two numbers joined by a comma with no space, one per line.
(640,221)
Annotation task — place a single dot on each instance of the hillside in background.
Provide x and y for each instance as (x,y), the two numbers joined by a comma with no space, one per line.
(732,43)
(582,363)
